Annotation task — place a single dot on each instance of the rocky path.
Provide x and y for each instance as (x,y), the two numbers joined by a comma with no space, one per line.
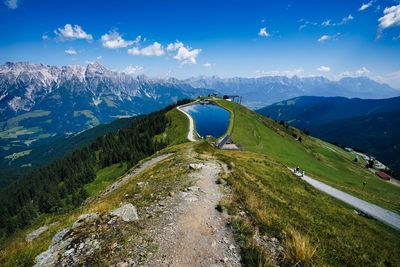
(198,234)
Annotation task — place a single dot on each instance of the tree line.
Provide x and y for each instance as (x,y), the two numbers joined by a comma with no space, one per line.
(59,186)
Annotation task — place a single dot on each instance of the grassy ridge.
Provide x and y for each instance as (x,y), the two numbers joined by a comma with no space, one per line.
(319,159)
(279,204)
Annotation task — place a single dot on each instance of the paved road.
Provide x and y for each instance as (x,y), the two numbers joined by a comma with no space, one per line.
(388,217)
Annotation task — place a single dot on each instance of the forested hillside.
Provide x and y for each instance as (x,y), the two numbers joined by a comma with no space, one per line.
(59,186)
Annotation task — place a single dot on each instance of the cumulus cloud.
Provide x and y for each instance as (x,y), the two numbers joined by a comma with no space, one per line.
(324,69)
(391,18)
(174,46)
(114,40)
(11,4)
(187,55)
(155,49)
(70,32)
(263,32)
(364,6)
(131,70)
(70,51)
(325,38)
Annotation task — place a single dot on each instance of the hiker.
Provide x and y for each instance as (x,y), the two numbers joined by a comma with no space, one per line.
(302,174)
(364,183)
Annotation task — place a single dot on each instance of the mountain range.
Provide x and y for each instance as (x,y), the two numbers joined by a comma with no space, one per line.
(42,104)
(368,125)
(262,91)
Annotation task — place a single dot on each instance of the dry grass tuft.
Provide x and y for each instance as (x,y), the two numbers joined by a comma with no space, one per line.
(298,249)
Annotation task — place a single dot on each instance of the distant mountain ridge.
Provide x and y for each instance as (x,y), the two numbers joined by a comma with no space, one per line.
(26,86)
(302,112)
(371,125)
(40,104)
(262,91)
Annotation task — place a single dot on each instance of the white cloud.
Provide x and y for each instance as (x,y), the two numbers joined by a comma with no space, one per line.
(131,70)
(364,6)
(174,46)
(288,73)
(263,32)
(155,49)
(363,71)
(357,73)
(11,4)
(390,19)
(45,37)
(99,58)
(70,32)
(114,40)
(324,69)
(70,51)
(187,56)
(208,65)
(346,19)
(325,38)
(327,23)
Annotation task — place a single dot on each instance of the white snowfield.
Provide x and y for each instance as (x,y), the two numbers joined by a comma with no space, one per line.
(386,216)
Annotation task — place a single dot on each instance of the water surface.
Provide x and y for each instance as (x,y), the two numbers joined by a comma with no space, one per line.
(209,119)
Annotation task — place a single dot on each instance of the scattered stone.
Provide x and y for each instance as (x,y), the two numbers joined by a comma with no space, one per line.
(225,260)
(84,218)
(59,236)
(242,213)
(195,166)
(171,194)
(126,212)
(193,188)
(69,252)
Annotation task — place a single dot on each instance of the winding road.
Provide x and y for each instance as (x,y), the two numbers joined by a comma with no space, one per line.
(383,215)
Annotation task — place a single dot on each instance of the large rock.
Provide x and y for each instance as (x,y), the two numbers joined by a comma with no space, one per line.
(50,256)
(126,212)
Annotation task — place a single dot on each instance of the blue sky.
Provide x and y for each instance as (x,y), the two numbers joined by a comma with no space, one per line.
(209,37)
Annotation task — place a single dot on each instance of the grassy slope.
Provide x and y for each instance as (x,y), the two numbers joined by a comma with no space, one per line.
(277,203)
(319,159)
(105,177)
